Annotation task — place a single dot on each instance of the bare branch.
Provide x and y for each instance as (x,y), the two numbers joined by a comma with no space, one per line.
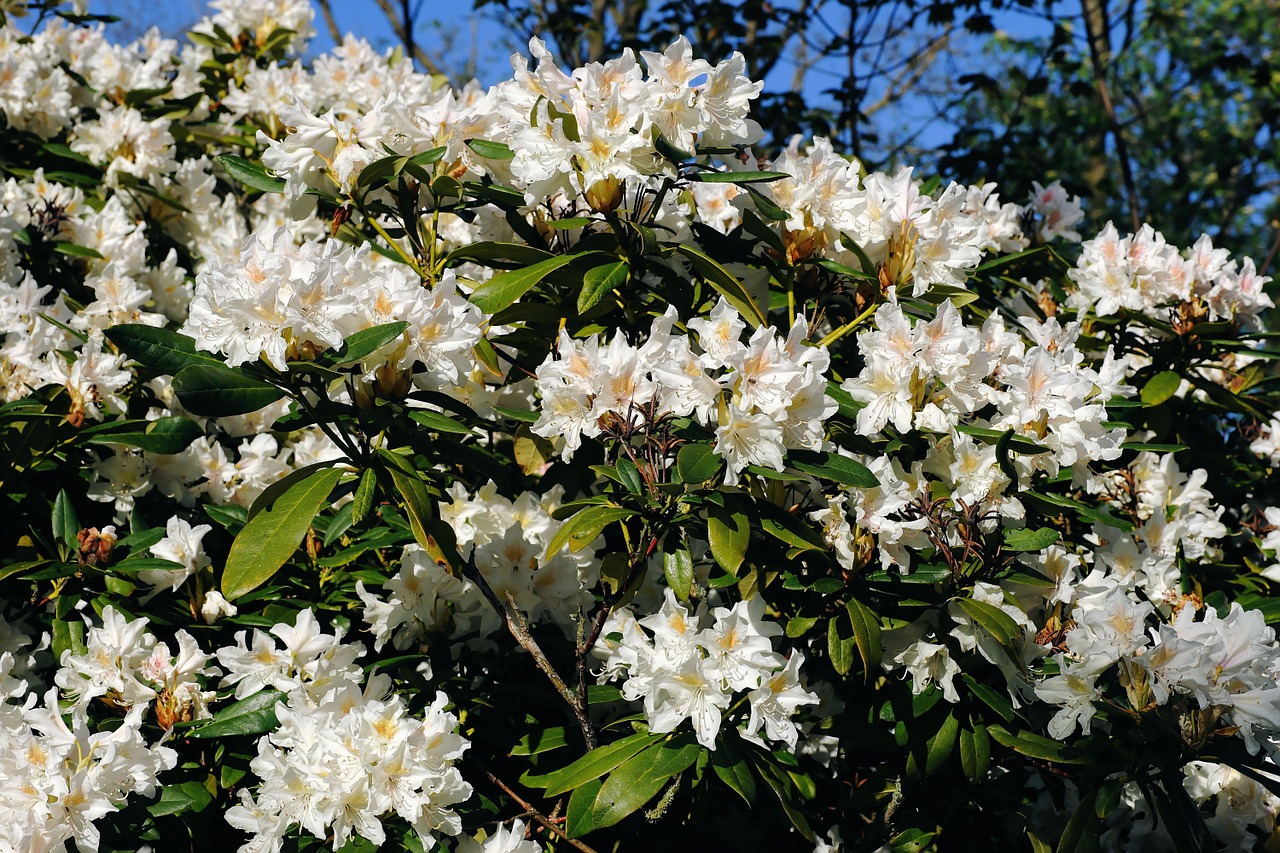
(330,22)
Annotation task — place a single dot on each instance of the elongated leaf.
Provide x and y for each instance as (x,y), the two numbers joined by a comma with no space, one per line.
(1028,539)
(220,391)
(366,342)
(939,747)
(729,533)
(505,288)
(732,768)
(1035,746)
(490,150)
(578,813)
(992,619)
(639,779)
(677,565)
(166,436)
(697,463)
(417,504)
(728,286)
(583,528)
(599,281)
(160,350)
(183,797)
(65,524)
(739,177)
(866,634)
(833,466)
(839,648)
(362,501)
(439,422)
(251,174)
(598,762)
(272,536)
(1160,388)
(252,715)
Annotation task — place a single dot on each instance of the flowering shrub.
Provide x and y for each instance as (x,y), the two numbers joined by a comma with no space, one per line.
(389,466)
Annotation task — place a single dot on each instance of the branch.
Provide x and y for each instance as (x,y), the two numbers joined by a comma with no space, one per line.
(1095,18)
(514,620)
(528,807)
(412,50)
(330,22)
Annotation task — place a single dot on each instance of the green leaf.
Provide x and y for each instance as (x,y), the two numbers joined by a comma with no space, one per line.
(677,565)
(578,813)
(364,343)
(417,503)
(599,281)
(1035,746)
(271,493)
(1017,443)
(439,422)
(839,649)
(543,740)
(834,467)
(160,350)
(272,536)
(738,177)
(362,502)
(939,747)
(866,634)
(490,150)
(252,715)
(166,436)
(1160,387)
(993,620)
(726,284)
(76,251)
(639,779)
(697,463)
(583,528)
(911,841)
(179,798)
(994,699)
(251,174)
(733,770)
(220,391)
(1085,512)
(1028,539)
(597,762)
(505,288)
(1081,833)
(65,523)
(629,475)
(728,533)
(975,752)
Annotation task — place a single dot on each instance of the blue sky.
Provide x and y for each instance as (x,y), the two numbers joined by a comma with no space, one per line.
(476,37)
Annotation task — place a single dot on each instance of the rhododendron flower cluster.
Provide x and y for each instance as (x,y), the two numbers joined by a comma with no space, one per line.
(561,465)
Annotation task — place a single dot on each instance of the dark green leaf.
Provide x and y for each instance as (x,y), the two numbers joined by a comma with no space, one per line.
(597,762)
(638,779)
(505,288)
(252,715)
(157,349)
(697,463)
(166,436)
(221,391)
(834,467)
(251,174)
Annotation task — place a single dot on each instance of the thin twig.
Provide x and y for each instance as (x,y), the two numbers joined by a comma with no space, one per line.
(533,812)
(514,620)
